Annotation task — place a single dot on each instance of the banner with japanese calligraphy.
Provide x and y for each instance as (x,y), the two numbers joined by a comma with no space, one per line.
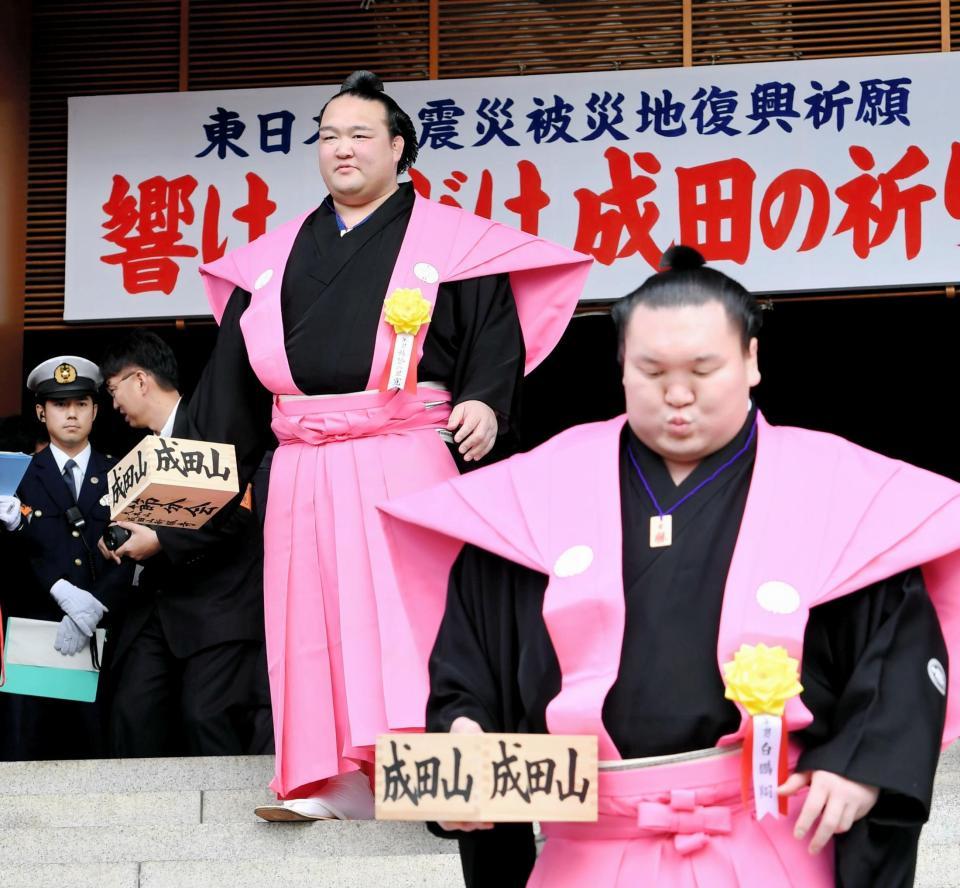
(791,176)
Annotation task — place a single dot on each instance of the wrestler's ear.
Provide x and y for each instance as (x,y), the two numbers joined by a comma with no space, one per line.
(753,366)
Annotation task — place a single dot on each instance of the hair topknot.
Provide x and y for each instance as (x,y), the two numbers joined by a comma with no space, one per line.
(367,86)
(684,279)
(681,258)
(364,81)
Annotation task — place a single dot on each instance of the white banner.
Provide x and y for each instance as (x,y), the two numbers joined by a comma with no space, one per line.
(790,176)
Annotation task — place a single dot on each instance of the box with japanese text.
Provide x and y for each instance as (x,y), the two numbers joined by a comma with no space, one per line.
(172,482)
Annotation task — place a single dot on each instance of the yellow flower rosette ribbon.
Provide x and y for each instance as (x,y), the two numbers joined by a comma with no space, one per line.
(762,679)
(406,310)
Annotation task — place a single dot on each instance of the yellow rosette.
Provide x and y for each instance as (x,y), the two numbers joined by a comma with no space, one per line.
(762,679)
(406,311)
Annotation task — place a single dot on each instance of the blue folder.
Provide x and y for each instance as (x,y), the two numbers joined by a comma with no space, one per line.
(12,469)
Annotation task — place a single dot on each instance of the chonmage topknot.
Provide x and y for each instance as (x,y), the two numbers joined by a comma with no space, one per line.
(365,81)
(681,258)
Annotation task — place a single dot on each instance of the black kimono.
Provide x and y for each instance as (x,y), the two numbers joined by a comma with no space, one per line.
(331,299)
(857,651)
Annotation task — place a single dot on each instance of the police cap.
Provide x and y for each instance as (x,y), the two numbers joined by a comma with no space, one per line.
(66,376)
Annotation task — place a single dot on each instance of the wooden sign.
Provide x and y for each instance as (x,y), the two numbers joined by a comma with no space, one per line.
(486,777)
(173,482)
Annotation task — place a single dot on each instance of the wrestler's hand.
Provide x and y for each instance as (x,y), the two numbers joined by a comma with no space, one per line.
(838,802)
(143,543)
(464,725)
(477,429)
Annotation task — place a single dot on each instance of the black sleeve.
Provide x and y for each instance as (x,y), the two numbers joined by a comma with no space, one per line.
(230,404)
(474,663)
(870,674)
(473,672)
(233,524)
(113,584)
(46,571)
(489,363)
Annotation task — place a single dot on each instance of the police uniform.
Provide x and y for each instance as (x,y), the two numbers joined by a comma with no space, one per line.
(59,537)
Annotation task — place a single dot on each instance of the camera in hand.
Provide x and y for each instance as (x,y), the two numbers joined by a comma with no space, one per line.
(115,536)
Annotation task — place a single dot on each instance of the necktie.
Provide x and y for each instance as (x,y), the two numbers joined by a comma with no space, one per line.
(68,478)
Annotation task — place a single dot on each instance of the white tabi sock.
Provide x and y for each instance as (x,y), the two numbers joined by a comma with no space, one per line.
(344,797)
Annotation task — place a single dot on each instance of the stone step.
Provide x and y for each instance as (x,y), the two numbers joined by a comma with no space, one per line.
(943,828)
(135,775)
(198,773)
(99,809)
(949,767)
(215,842)
(234,805)
(222,807)
(938,866)
(116,809)
(71,875)
(436,871)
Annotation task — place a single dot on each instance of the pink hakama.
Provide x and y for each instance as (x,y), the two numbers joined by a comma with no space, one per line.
(679,825)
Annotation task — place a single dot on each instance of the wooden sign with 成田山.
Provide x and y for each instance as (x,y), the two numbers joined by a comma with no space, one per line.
(500,778)
(172,482)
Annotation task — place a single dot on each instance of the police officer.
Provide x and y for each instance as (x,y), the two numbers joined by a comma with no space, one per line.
(63,514)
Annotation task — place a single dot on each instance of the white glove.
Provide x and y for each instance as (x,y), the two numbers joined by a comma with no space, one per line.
(9,512)
(85,610)
(70,638)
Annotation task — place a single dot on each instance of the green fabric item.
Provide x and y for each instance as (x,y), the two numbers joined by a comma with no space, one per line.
(44,681)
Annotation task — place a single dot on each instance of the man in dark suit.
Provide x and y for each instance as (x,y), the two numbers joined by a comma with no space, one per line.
(69,581)
(187,655)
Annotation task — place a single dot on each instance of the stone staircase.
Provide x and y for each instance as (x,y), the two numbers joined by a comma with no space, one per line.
(189,823)
(181,823)
(939,864)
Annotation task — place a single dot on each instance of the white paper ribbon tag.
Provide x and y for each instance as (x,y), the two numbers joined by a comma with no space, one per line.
(400,365)
(766,761)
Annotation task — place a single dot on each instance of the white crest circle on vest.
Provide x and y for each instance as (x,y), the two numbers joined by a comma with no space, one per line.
(263,279)
(573,561)
(425,272)
(938,675)
(778,597)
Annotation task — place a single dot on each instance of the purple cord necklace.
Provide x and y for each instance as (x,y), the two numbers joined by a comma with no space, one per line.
(661,524)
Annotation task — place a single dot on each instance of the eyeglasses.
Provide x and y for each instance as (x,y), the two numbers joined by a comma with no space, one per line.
(112,392)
